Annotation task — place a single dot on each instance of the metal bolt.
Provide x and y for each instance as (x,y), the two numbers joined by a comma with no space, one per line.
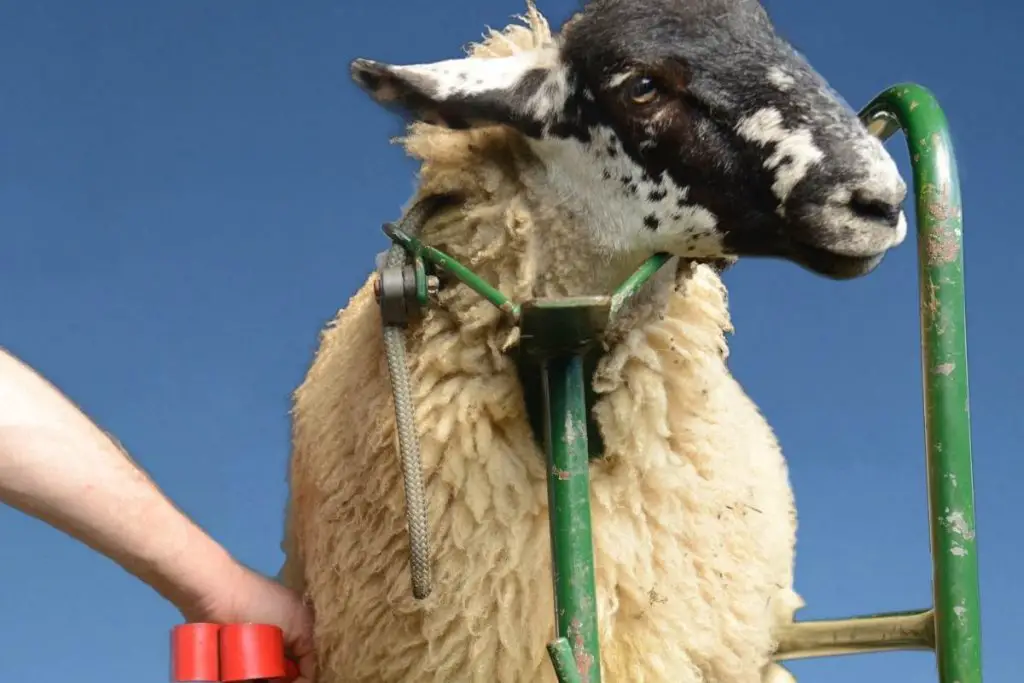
(433,284)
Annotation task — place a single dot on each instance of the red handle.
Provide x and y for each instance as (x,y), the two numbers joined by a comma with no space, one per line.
(229,653)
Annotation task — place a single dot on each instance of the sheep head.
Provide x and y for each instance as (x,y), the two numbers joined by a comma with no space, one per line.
(686,126)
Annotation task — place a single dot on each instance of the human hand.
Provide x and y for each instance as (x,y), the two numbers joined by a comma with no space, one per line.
(61,468)
(254,598)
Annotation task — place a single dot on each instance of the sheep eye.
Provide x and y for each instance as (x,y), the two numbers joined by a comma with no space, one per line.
(642,90)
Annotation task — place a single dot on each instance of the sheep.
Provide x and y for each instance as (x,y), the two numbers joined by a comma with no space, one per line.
(645,125)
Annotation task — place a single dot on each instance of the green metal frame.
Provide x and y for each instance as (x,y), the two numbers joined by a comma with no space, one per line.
(952,627)
(558,334)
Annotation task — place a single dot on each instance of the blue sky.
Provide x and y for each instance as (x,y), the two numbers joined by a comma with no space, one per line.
(189,190)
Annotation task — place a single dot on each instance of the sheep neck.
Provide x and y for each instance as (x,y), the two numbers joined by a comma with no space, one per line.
(525,234)
(590,341)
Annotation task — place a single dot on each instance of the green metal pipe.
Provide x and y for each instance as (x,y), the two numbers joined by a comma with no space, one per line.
(563,660)
(944,368)
(572,551)
(637,280)
(450,265)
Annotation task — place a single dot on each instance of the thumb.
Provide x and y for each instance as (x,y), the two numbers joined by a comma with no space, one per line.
(295,673)
(307,668)
(301,651)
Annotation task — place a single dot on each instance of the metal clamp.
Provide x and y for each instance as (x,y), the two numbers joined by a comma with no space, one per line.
(403,291)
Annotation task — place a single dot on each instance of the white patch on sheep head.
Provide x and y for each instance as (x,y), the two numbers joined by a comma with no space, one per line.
(687,127)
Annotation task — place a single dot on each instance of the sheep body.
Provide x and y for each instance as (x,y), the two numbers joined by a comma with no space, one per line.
(692,511)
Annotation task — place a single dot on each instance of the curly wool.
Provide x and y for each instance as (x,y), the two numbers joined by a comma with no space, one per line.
(693,516)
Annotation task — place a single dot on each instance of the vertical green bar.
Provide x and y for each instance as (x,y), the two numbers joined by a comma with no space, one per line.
(572,551)
(944,368)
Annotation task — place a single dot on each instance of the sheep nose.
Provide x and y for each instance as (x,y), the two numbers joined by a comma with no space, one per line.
(873,207)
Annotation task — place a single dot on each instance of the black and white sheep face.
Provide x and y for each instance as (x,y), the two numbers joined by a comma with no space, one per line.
(686,126)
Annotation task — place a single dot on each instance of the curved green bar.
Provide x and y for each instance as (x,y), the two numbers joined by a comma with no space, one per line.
(944,367)
(637,280)
(436,257)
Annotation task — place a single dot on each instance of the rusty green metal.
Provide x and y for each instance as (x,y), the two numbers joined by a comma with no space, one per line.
(952,627)
(557,333)
(558,338)
(947,421)
(565,665)
(555,356)
(572,551)
(943,335)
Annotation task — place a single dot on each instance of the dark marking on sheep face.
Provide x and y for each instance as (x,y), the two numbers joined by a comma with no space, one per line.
(683,126)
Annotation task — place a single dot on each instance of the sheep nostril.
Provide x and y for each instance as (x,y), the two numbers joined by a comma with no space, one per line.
(871,208)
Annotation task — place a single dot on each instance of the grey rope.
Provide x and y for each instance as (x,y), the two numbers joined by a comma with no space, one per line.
(415,498)
(412,472)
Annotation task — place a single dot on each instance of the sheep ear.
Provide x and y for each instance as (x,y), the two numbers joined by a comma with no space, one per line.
(525,90)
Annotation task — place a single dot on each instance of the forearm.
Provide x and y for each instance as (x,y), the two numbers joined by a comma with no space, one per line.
(56,465)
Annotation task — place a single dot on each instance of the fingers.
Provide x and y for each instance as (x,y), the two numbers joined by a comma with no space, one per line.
(307,669)
(303,667)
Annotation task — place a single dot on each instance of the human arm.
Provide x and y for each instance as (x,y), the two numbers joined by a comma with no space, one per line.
(58,466)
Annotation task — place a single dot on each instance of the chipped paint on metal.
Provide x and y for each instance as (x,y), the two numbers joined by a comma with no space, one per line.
(584,660)
(939,215)
(961,612)
(562,657)
(958,525)
(560,473)
(943,245)
(575,429)
(569,510)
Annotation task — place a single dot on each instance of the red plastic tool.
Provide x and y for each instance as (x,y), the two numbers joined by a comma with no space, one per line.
(229,653)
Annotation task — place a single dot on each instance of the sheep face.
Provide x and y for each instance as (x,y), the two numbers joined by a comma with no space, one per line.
(686,126)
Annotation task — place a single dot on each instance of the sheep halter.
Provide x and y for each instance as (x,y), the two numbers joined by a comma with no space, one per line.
(556,335)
